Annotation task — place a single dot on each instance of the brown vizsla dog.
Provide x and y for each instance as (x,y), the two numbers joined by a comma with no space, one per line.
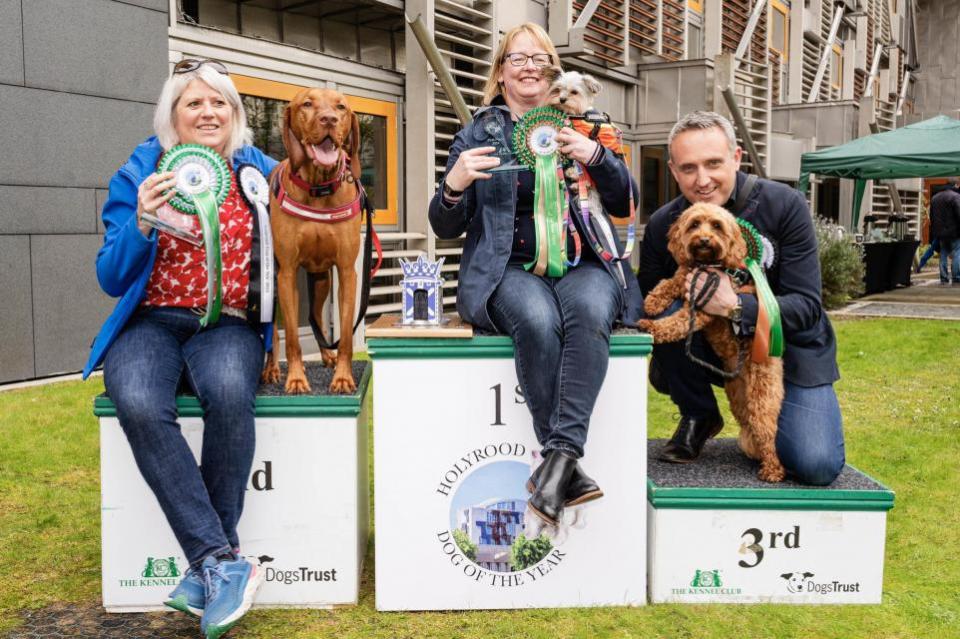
(322,138)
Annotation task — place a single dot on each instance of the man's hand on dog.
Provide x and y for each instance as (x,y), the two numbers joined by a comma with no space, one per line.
(723,300)
(153,193)
(470,166)
(576,145)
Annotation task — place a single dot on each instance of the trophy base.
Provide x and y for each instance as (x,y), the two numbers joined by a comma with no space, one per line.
(451,326)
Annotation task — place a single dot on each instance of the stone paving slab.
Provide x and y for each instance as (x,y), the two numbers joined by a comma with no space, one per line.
(902,310)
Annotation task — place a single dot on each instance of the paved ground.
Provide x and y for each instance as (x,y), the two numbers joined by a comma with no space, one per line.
(926,298)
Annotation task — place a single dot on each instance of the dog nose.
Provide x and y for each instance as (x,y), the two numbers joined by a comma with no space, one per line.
(329,119)
(704,241)
(562,100)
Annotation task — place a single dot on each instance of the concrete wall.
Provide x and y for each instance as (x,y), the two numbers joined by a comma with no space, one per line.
(78,82)
(938,81)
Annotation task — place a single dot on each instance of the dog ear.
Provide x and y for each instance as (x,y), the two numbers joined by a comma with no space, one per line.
(551,73)
(592,84)
(787,575)
(353,146)
(736,251)
(808,575)
(295,150)
(675,244)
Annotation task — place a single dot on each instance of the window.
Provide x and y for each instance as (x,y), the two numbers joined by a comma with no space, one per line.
(779,40)
(836,67)
(657,186)
(265,100)
(694,36)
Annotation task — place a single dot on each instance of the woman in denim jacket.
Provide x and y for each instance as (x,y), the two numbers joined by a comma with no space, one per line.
(560,326)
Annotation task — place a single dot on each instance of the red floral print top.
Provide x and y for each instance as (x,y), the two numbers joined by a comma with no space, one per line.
(179,276)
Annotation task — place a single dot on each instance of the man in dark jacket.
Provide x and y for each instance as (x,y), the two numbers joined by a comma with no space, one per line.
(945,228)
(705,160)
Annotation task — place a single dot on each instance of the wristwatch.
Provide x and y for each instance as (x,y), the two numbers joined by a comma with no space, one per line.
(735,314)
(450,193)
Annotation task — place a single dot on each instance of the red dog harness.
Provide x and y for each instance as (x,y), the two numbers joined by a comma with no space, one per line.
(334,214)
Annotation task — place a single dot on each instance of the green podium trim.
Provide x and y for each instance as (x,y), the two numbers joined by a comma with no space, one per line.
(271,405)
(770,498)
(485,346)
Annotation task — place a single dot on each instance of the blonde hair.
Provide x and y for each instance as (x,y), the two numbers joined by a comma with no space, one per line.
(164,120)
(493,88)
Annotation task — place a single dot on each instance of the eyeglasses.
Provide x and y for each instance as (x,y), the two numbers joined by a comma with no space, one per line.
(192,64)
(520,59)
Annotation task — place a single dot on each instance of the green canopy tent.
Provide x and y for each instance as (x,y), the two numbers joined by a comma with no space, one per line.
(926,149)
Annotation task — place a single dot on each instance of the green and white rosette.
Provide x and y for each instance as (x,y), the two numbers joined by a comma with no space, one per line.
(535,145)
(768,338)
(202,185)
(256,192)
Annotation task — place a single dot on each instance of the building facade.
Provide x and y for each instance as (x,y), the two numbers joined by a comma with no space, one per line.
(493,526)
(78,81)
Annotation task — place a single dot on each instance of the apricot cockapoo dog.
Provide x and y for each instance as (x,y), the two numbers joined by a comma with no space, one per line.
(708,235)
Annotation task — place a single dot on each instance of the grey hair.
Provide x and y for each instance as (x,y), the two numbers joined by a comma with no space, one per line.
(703,120)
(163,118)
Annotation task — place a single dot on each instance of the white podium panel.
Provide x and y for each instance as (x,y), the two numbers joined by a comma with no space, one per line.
(737,540)
(453,448)
(305,512)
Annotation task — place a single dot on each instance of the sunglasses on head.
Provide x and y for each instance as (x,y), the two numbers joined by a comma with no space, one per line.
(192,64)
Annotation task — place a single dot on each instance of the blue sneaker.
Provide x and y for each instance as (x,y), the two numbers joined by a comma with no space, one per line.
(188,596)
(231,587)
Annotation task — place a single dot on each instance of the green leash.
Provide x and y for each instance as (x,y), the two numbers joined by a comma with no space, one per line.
(203,182)
(769,325)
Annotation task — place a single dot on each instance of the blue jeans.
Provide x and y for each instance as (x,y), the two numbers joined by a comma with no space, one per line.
(561,339)
(809,430)
(142,372)
(950,250)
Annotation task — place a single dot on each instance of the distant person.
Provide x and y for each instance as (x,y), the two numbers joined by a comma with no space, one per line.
(705,161)
(945,229)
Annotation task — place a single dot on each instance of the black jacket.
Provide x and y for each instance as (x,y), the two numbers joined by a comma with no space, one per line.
(945,214)
(781,215)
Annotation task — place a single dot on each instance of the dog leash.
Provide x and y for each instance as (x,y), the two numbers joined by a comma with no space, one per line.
(696,303)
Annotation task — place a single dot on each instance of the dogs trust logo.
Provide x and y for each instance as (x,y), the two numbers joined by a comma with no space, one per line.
(796,581)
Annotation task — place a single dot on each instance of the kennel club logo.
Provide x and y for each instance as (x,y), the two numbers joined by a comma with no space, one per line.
(706,582)
(486,537)
(801,582)
(157,571)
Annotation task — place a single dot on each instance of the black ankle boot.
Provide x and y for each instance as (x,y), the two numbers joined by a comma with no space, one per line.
(580,490)
(688,440)
(547,500)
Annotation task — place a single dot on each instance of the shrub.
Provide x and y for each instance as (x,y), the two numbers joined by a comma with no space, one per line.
(467,547)
(841,264)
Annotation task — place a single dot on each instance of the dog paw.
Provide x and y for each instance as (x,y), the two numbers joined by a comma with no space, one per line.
(645,325)
(296,385)
(343,384)
(270,375)
(329,357)
(771,471)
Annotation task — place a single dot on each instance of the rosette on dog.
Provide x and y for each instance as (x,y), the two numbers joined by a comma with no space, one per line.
(535,145)
(202,185)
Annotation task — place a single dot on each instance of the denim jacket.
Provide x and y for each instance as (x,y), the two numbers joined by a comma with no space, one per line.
(486,213)
(125,260)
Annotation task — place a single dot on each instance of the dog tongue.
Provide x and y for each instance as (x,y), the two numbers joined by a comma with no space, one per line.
(324,154)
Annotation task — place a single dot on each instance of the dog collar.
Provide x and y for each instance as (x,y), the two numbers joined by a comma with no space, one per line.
(324,188)
(296,209)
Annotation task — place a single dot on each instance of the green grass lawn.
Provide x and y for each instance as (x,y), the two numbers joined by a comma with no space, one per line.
(900,396)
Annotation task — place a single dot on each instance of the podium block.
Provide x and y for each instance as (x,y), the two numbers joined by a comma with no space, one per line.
(305,512)
(717,534)
(453,448)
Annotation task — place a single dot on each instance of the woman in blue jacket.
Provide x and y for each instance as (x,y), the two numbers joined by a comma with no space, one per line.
(560,326)
(154,339)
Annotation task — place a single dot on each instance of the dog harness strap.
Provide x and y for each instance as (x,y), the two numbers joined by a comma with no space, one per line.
(296,209)
(324,188)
